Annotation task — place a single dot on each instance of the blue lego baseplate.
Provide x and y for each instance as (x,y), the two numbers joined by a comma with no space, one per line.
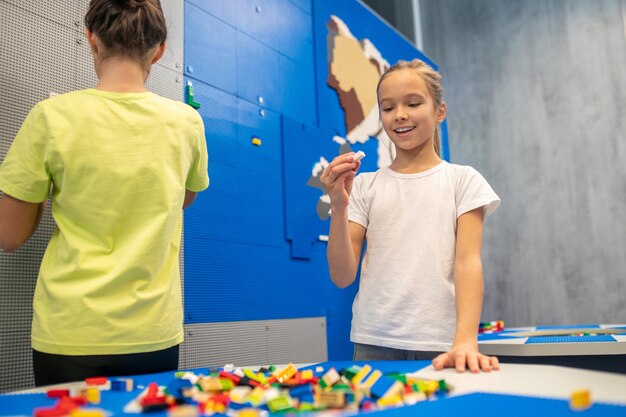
(570,339)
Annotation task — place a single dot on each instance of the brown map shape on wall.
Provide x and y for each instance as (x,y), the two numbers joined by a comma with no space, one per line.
(354,68)
(351,73)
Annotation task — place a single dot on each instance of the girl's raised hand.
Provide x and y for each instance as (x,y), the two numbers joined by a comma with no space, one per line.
(338,177)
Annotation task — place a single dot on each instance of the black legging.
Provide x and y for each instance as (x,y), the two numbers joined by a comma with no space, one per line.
(55,369)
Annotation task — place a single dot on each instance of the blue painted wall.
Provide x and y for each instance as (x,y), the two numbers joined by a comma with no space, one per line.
(259,70)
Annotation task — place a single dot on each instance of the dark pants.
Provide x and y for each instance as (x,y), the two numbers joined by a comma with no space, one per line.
(55,369)
(380,353)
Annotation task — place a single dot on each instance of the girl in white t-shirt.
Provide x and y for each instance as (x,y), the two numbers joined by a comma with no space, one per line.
(421,285)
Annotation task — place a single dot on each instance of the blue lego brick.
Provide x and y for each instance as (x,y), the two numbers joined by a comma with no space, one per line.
(303,393)
(176,386)
(382,386)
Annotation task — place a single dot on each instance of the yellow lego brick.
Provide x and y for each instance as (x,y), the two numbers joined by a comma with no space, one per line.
(358,378)
(93,395)
(372,378)
(212,407)
(307,374)
(580,400)
(390,400)
(431,387)
(248,412)
(87,412)
(284,374)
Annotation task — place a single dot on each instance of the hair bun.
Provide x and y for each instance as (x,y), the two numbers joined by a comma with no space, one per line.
(129,4)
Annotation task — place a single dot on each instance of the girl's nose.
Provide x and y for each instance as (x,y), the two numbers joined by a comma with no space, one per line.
(401,115)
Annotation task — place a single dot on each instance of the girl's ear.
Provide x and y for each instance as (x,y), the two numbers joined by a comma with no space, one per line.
(158,53)
(91,38)
(441,112)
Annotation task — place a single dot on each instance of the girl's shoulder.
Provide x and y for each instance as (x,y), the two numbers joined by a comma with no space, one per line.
(464,176)
(178,108)
(62,99)
(462,171)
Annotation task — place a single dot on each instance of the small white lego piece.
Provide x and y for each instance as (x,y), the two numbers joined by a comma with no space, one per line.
(358,156)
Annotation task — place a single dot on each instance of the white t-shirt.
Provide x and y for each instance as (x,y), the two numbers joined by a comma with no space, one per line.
(406,290)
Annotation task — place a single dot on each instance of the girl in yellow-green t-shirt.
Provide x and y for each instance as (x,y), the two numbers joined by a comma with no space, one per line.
(122,164)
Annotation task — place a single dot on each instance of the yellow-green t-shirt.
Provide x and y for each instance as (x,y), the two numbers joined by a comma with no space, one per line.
(119,164)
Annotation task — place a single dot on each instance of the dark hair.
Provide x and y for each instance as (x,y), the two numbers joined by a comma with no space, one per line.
(433,82)
(127,27)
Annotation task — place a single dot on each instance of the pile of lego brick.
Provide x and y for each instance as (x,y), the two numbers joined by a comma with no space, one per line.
(491,327)
(247,393)
(78,401)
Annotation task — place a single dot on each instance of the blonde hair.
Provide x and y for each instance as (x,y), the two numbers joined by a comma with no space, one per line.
(433,82)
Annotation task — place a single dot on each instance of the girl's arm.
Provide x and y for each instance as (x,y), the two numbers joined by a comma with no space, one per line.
(345,239)
(468,283)
(18,221)
(190,197)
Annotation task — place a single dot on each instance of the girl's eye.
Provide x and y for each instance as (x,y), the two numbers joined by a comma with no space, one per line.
(387,109)
(414,104)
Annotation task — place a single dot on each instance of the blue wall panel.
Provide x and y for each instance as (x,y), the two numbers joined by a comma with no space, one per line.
(303,4)
(216,213)
(298,95)
(295,34)
(259,70)
(259,20)
(219,113)
(262,212)
(302,144)
(255,121)
(234,282)
(260,176)
(210,49)
(226,11)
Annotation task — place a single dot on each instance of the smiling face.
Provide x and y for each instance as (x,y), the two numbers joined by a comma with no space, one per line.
(407,110)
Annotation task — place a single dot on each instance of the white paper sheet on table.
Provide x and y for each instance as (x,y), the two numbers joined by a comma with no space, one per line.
(534,380)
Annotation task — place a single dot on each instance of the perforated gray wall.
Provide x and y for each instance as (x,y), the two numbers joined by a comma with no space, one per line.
(254,343)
